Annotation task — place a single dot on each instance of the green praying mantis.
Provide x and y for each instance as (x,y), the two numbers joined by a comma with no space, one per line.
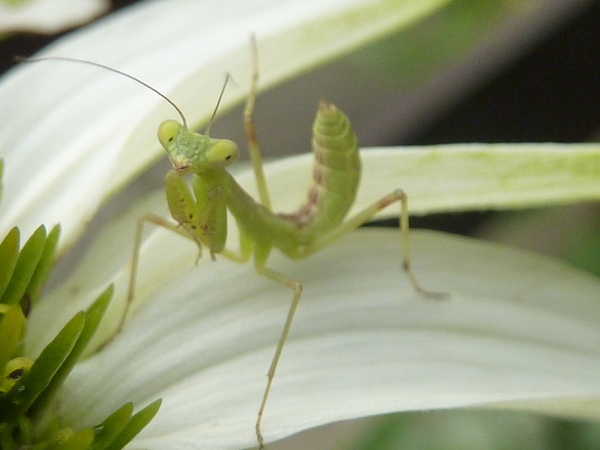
(200,212)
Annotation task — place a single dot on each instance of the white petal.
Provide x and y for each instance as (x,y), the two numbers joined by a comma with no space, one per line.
(517,327)
(73,134)
(466,176)
(48,16)
(456,177)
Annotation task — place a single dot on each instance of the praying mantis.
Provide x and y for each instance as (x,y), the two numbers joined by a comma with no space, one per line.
(200,212)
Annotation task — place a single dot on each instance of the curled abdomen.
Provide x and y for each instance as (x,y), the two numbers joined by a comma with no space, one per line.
(336,172)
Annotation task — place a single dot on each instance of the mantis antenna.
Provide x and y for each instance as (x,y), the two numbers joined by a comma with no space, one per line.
(212,118)
(131,77)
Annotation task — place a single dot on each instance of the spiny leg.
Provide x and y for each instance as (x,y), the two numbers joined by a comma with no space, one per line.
(250,129)
(363,217)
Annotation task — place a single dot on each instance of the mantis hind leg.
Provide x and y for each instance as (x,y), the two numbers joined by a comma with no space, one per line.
(363,217)
(250,129)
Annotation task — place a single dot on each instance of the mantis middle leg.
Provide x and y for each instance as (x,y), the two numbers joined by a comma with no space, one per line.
(261,254)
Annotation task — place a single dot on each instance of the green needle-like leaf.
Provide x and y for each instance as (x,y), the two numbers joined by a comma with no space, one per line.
(112,427)
(12,325)
(9,251)
(79,441)
(93,316)
(44,266)
(135,425)
(29,387)
(26,264)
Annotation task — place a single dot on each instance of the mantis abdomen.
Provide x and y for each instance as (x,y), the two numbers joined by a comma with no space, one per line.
(336,173)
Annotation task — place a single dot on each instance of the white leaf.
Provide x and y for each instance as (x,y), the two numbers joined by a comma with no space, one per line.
(517,327)
(437,178)
(48,16)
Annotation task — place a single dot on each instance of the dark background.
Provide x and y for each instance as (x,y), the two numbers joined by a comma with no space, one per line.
(551,93)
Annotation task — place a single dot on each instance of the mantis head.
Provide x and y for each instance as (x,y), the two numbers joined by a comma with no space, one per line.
(195,152)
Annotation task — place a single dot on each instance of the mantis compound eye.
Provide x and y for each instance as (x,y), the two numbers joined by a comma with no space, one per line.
(223,152)
(167,132)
